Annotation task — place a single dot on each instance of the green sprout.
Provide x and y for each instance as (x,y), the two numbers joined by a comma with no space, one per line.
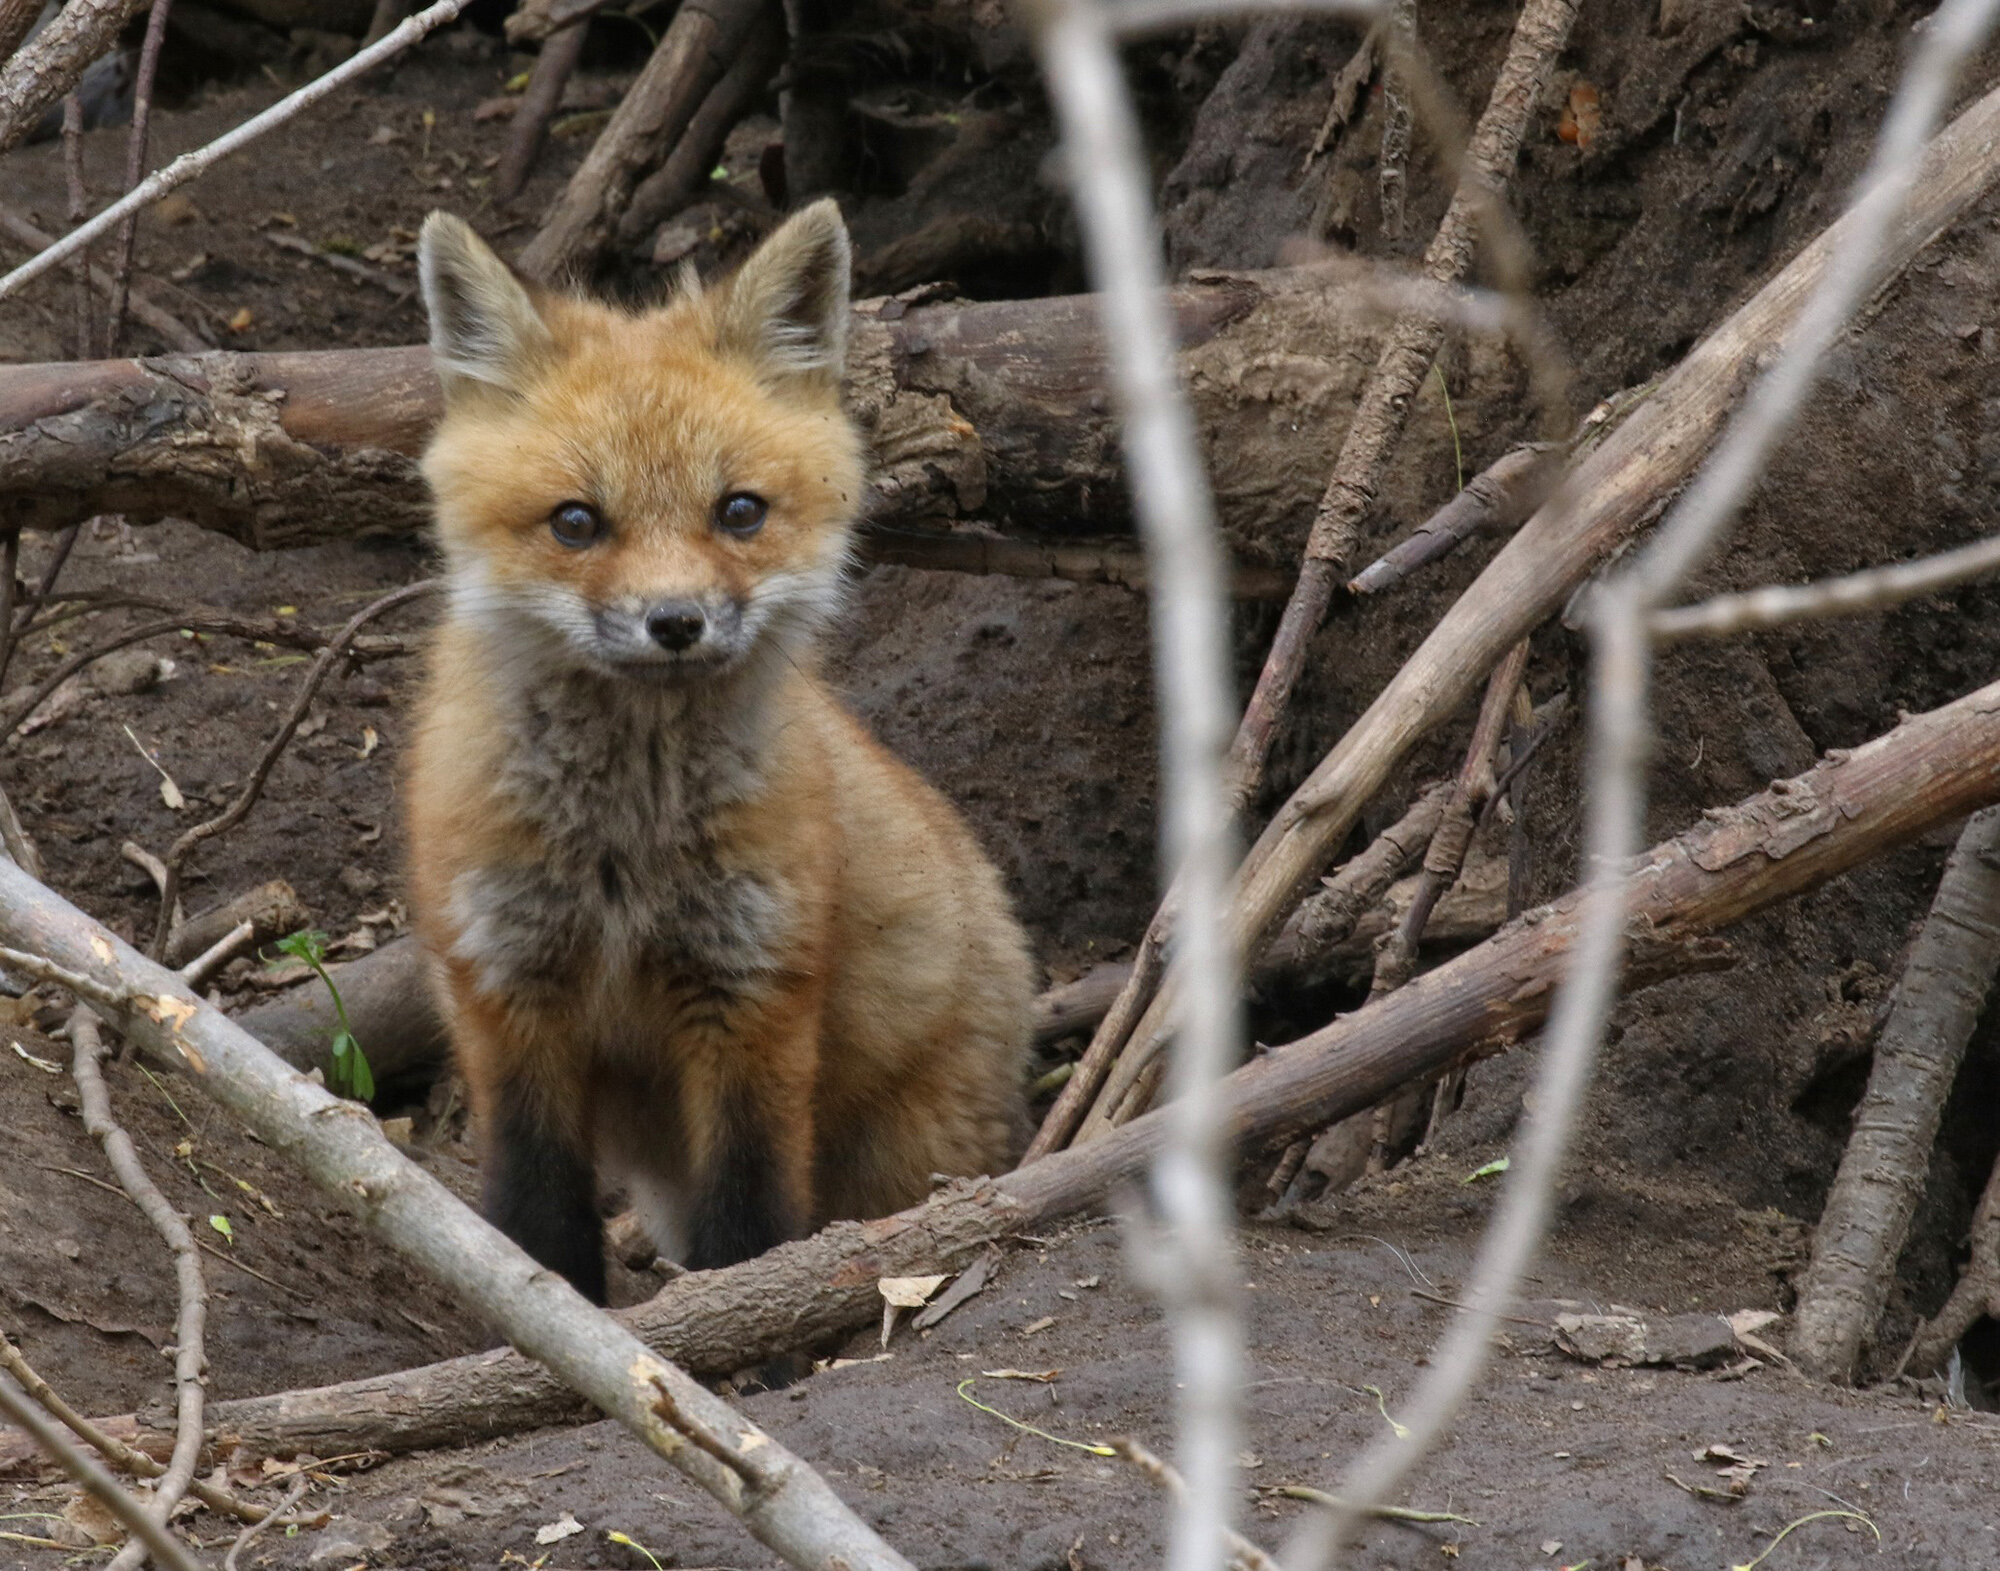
(349,1074)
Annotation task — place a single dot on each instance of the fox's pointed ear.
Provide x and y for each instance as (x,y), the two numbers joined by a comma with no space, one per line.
(786,308)
(484,325)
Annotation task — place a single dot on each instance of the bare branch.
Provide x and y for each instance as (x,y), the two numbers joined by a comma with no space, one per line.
(142,305)
(190,1323)
(1193,1248)
(1873,590)
(97,1483)
(1619,721)
(229,817)
(546,82)
(135,165)
(132,1460)
(1867,1215)
(189,165)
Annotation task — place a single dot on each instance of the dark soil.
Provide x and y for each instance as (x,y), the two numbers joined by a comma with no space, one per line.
(1730,137)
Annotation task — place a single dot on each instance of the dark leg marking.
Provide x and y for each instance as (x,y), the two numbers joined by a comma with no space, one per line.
(541,1192)
(740,1208)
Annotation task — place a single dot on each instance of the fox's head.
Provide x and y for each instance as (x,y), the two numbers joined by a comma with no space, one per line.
(651,494)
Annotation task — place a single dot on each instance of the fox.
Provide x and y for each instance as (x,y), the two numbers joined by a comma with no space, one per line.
(689,925)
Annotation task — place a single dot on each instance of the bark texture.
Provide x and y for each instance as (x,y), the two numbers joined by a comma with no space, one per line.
(994,411)
(39,72)
(1938,1001)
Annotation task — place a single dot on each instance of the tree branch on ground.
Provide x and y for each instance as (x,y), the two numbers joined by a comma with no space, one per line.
(551,74)
(972,410)
(229,817)
(1937,1002)
(96,1483)
(129,1459)
(191,1320)
(1734,863)
(341,1147)
(140,303)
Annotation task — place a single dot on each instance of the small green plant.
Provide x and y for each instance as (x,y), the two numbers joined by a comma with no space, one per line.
(349,1074)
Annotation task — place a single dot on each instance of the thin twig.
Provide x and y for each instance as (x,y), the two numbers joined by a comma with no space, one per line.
(116,1451)
(1243,1554)
(1193,1249)
(79,208)
(189,165)
(218,954)
(1621,658)
(196,619)
(229,817)
(135,166)
(97,1483)
(1873,589)
(251,1530)
(190,1323)
(141,304)
(389,283)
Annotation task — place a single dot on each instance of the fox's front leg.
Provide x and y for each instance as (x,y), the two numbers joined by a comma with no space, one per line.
(747,1098)
(532,1102)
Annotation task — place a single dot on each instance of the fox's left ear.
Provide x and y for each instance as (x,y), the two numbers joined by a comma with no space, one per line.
(786,308)
(484,325)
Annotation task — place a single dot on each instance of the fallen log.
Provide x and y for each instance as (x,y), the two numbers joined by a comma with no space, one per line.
(993,410)
(1738,860)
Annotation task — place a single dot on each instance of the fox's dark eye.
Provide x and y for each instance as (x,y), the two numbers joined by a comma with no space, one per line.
(741,513)
(576,525)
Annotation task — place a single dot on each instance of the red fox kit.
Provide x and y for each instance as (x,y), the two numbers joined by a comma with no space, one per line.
(688,921)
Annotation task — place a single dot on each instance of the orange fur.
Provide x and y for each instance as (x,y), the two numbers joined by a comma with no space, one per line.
(715,905)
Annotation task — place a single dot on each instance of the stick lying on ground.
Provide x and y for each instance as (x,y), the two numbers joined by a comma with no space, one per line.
(1937,1003)
(990,409)
(780,1499)
(1737,861)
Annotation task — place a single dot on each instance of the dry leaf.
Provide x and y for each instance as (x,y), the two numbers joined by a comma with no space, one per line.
(240,322)
(1034,1326)
(1043,1376)
(909,1292)
(564,1526)
(369,740)
(42,1064)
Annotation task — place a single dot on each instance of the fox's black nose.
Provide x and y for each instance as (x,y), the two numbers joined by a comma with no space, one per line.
(676,625)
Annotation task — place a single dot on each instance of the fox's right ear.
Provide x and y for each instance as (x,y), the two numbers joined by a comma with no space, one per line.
(484,325)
